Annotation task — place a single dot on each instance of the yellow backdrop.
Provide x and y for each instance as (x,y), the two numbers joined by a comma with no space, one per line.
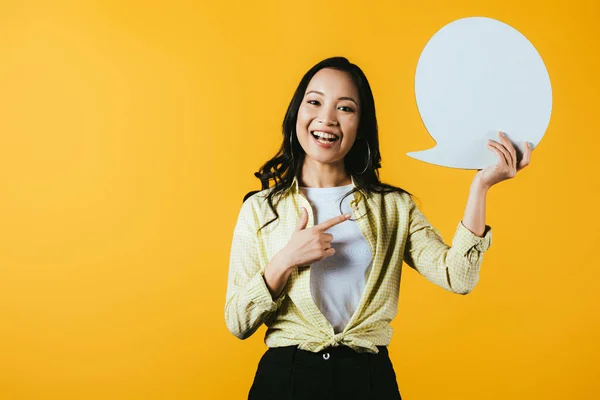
(131,131)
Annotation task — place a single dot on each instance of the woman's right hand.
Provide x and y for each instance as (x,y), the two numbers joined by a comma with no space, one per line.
(307,246)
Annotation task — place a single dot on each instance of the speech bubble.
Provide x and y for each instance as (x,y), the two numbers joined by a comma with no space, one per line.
(477,76)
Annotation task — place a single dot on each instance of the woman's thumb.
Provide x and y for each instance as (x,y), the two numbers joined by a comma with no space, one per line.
(303,220)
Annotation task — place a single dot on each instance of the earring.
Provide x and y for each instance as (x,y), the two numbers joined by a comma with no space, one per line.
(291,145)
(368,158)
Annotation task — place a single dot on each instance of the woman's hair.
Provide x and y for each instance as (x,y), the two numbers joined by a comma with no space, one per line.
(288,161)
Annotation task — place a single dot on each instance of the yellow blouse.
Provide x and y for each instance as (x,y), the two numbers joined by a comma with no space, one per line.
(395,230)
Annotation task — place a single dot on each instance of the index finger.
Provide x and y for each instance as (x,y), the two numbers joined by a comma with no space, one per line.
(332,222)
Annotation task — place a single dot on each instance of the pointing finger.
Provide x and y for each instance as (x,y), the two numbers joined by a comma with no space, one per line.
(333,221)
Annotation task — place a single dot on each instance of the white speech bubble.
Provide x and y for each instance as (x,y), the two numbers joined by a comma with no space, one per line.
(477,76)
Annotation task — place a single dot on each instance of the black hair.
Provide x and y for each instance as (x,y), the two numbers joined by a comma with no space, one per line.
(288,161)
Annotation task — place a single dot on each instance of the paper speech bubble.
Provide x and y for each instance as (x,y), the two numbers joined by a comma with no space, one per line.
(477,76)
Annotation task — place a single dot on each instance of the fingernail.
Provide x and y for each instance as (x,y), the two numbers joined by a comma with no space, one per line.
(501,133)
(347,215)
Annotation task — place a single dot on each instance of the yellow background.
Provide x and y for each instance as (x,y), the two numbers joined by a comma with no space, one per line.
(130,132)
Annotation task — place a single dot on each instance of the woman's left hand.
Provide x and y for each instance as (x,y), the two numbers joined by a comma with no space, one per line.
(507,166)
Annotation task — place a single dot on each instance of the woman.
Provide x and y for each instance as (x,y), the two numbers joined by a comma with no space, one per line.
(317,257)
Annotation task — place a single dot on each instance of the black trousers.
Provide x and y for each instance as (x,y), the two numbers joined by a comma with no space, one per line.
(287,373)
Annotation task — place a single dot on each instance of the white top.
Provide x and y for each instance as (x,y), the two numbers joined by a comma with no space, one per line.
(337,282)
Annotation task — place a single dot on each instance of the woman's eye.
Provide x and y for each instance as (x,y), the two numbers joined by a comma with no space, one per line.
(347,109)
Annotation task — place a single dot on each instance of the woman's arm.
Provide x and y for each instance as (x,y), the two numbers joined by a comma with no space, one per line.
(456,267)
(277,274)
(506,168)
(474,218)
(249,301)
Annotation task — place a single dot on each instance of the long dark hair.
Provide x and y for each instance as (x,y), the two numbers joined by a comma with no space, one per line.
(288,161)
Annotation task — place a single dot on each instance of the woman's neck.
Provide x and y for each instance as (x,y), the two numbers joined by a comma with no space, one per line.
(324,176)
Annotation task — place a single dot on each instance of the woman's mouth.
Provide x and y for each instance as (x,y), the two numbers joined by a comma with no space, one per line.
(325,141)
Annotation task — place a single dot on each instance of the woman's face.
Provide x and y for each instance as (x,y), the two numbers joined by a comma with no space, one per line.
(331,105)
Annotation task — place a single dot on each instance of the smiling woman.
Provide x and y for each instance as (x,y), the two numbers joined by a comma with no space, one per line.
(333,98)
(327,285)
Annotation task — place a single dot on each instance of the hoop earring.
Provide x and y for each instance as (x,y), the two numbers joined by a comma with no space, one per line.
(368,159)
(291,146)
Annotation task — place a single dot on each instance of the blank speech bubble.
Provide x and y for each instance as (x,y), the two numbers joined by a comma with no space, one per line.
(477,76)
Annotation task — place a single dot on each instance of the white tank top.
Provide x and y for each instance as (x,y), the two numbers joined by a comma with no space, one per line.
(338,282)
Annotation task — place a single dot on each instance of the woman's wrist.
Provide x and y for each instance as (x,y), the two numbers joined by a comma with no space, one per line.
(479,185)
(277,273)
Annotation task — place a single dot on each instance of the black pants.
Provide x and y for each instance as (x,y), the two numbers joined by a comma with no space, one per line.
(287,373)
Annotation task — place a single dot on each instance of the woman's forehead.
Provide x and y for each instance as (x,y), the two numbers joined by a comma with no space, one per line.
(330,82)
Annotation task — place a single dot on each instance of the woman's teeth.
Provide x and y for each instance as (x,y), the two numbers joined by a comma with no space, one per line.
(325,138)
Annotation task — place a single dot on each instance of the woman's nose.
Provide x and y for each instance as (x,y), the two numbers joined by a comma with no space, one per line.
(329,122)
(327,116)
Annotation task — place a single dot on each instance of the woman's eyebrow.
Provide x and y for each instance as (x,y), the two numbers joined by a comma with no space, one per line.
(339,98)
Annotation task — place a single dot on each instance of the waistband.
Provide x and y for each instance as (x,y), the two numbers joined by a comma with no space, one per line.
(290,354)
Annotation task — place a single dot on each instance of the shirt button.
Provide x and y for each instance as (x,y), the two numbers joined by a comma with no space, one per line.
(326,356)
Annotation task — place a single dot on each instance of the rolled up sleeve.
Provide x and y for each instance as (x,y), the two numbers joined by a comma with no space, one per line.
(454,268)
(248,300)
